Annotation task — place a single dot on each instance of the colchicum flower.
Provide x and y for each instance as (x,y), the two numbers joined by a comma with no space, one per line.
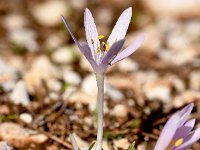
(177,133)
(100,53)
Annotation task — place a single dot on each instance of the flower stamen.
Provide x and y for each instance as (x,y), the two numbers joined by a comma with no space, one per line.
(100,37)
(178,142)
(92,41)
(98,50)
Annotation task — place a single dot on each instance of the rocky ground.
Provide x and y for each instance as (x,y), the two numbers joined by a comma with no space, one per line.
(47,88)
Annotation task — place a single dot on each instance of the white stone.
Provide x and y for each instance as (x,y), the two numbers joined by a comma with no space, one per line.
(41,69)
(71,77)
(26,117)
(127,65)
(113,93)
(63,55)
(120,111)
(177,57)
(122,143)
(80,5)
(48,13)
(194,80)
(24,38)
(160,90)
(192,30)
(20,136)
(14,21)
(8,75)
(173,8)
(54,40)
(54,96)
(39,138)
(153,39)
(104,146)
(5,146)
(89,85)
(68,93)
(177,41)
(54,85)
(85,65)
(20,95)
(142,146)
(186,97)
(177,83)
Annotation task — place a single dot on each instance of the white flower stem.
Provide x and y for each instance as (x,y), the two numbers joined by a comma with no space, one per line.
(100,86)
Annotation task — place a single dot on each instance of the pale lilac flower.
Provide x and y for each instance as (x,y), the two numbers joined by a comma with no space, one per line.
(102,54)
(177,133)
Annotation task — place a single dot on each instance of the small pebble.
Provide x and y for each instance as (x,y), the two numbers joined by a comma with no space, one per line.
(127,65)
(54,85)
(194,80)
(63,55)
(48,13)
(8,75)
(122,143)
(20,94)
(89,84)
(25,38)
(4,110)
(19,136)
(173,8)
(71,77)
(160,90)
(14,21)
(120,111)
(26,117)
(113,93)
(5,146)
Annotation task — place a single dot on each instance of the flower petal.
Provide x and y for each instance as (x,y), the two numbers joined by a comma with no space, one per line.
(121,27)
(168,132)
(91,32)
(74,144)
(183,131)
(190,139)
(111,54)
(87,53)
(185,112)
(129,50)
(83,48)
(70,32)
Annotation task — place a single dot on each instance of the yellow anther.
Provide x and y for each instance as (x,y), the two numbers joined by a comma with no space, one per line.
(100,37)
(98,50)
(107,47)
(179,142)
(92,41)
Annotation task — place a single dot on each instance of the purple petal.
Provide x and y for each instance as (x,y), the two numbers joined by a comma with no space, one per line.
(91,32)
(129,50)
(121,27)
(183,131)
(70,32)
(168,132)
(190,139)
(110,55)
(185,112)
(87,53)
(83,48)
